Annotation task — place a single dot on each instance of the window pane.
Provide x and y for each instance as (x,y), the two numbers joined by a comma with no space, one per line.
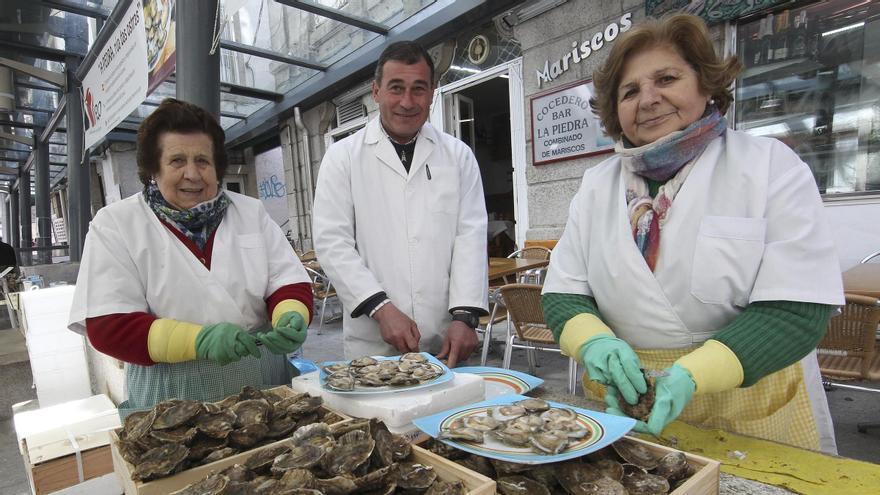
(811,80)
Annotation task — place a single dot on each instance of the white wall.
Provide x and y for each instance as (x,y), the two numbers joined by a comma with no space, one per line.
(856,229)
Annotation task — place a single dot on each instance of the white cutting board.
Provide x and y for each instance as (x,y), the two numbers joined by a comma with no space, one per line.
(398,409)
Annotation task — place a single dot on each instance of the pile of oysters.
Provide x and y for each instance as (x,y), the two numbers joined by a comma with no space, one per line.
(179,434)
(528,423)
(359,456)
(625,467)
(412,368)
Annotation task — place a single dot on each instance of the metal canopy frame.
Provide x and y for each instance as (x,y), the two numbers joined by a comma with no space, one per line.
(268,54)
(337,15)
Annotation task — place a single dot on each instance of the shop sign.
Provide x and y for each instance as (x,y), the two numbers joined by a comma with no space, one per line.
(712,11)
(580,50)
(128,66)
(564,126)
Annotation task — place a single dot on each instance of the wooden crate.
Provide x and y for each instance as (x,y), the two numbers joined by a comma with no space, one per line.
(59,473)
(703,482)
(446,470)
(169,484)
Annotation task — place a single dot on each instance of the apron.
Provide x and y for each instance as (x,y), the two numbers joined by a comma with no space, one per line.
(760,410)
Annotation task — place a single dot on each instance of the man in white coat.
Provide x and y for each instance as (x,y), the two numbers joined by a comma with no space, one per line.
(400,223)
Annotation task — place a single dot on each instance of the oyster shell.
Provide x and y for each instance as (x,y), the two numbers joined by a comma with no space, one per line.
(201,446)
(416,357)
(635,453)
(642,408)
(341,381)
(520,485)
(216,425)
(533,405)
(672,466)
(181,434)
(505,413)
(305,405)
(548,443)
(248,436)
(352,451)
(642,483)
(177,414)
(238,473)
(264,458)
(363,361)
(138,424)
(415,476)
(281,426)
(218,454)
(160,461)
(440,487)
(300,457)
(250,412)
(214,484)
(249,392)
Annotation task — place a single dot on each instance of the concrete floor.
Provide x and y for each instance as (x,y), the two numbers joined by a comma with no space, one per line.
(847,407)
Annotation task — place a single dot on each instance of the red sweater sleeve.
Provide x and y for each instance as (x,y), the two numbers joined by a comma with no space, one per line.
(122,335)
(301,292)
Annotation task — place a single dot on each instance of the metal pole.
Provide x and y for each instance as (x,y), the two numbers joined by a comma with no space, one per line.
(41,188)
(7,226)
(14,237)
(24,215)
(198,73)
(78,192)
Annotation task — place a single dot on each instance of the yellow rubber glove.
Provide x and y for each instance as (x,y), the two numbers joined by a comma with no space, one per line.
(173,341)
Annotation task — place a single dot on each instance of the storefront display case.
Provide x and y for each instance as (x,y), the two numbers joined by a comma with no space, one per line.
(812,80)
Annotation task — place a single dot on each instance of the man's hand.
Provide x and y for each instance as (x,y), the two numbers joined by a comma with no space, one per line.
(398,329)
(459,343)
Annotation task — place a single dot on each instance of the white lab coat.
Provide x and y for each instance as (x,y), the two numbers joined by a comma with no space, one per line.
(747,225)
(420,237)
(133,263)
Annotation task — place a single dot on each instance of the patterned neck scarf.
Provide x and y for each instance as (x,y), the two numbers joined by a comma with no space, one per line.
(669,159)
(196,223)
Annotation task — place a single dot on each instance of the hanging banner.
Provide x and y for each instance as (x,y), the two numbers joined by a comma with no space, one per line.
(712,11)
(137,57)
(564,126)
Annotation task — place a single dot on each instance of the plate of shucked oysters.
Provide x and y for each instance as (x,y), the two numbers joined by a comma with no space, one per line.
(383,374)
(526,430)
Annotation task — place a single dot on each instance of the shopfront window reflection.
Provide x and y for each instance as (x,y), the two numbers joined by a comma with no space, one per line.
(812,80)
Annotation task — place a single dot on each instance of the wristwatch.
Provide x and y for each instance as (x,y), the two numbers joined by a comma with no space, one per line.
(466,317)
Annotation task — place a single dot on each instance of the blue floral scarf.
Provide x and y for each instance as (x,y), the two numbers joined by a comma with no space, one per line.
(196,223)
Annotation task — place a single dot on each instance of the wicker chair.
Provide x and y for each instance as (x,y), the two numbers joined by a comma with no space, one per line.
(523,303)
(849,349)
(322,290)
(498,311)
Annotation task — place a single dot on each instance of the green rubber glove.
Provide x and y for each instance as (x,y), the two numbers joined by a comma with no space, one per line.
(612,362)
(672,393)
(287,336)
(225,343)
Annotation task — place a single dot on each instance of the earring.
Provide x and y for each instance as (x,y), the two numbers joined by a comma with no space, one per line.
(153,180)
(712,101)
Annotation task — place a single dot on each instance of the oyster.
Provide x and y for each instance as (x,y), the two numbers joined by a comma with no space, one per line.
(335,367)
(548,443)
(533,405)
(483,423)
(248,393)
(181,434)
(216,425)
(250,412)
(336,485)
(642,408)
(440,487)
(300,457)
(264,458)
(415,476)
(248,436)
(635,453)
(641,483)
(305,433)
(296,478)
(138,424)
(341,381)
(238,473)
(461,432)
(364,361)
(354,449)
(160,461)
(214,484)
(416,357)
(177,414)
(479,464)
(281,426)
(672,466)
(305,405)
(520,485)
(505,413)
(219,454)
(201,446)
